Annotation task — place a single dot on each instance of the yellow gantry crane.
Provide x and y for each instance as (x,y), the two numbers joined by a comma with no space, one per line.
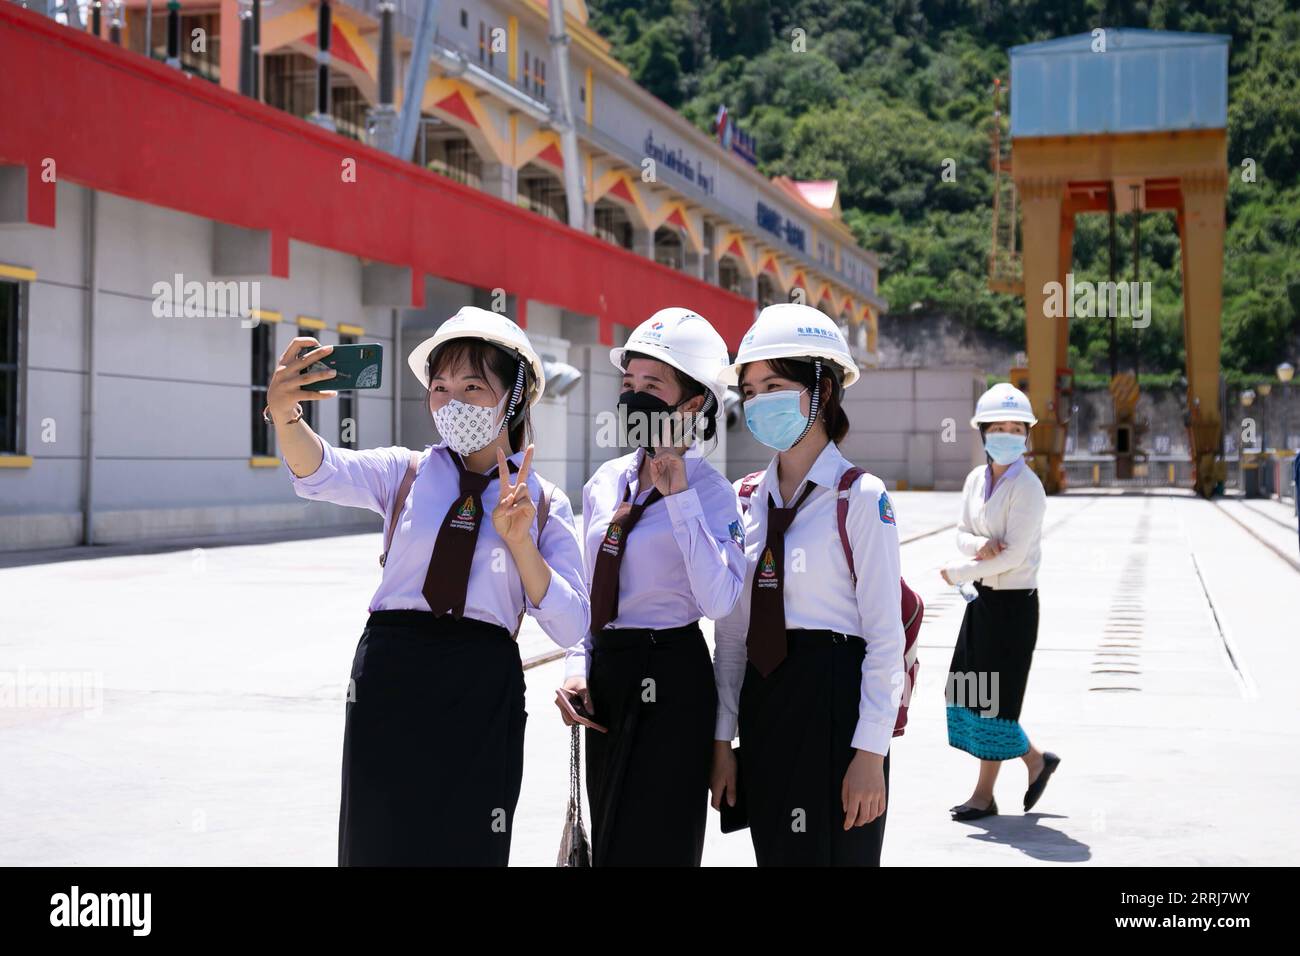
(1113,120)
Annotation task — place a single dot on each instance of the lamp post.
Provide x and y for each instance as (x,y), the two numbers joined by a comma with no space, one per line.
(1285,371)
(1249,457)
(1264,390)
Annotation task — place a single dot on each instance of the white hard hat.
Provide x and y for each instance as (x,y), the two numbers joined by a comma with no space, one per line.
(791,330)
(472,322)
(686,341)
(1003,403)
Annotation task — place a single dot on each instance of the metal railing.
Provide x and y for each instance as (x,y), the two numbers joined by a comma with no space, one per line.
(1269,475)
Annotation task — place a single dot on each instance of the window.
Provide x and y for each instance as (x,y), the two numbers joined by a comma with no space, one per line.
(541,78)
(308,408)
(729,274)
(464,20)
(528,71)
(613,226)
(263,368)
(347,407)
(205,63)
(482,42)
(291,86)
(11,342)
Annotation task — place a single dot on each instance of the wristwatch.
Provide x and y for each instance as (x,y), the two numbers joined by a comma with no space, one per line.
(266,415)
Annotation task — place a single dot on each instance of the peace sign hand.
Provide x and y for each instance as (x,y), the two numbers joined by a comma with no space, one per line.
(513,516)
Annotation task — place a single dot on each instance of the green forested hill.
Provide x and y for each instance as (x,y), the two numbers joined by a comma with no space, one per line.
(887,89)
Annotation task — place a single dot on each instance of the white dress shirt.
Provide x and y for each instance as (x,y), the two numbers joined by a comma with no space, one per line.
(819,593)
(370,478)
(1010,512)
(682,561)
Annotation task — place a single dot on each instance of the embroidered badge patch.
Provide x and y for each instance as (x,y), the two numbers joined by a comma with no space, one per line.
(737,531)
(466,517)
(886,510)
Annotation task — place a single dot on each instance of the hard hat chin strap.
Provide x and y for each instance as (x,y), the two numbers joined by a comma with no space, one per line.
(516,394)
(814,402)
(697,418)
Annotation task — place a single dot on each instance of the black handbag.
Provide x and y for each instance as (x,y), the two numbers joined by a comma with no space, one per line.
(574,848)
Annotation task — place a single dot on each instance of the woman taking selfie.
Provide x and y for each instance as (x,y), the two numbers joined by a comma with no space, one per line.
(663,548)
(810,663)
(433,743)
(999,531)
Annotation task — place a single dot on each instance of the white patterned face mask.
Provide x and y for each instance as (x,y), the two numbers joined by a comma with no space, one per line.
(468,428)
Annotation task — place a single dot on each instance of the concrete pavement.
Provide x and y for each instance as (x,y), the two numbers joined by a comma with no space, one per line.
(203,701)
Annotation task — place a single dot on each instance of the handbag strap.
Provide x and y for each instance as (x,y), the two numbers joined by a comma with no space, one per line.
(403,489)
(575,773)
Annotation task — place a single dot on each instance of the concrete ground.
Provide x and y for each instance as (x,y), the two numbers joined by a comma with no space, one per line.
(201,715)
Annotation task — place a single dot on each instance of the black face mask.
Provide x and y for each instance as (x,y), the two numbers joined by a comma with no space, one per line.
(639,409)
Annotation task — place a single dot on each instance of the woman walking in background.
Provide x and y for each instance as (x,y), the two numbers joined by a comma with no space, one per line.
(1000,530)
(433,744)
(663,548)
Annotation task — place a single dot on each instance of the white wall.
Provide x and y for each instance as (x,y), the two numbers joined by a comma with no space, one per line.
(173,402)
(898,422)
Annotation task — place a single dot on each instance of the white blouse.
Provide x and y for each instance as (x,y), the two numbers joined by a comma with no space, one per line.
(1013,516)
(820,595)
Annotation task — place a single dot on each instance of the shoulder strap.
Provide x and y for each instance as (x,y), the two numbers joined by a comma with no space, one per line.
(912,606)
(399,502)
(847,480)
(543,504)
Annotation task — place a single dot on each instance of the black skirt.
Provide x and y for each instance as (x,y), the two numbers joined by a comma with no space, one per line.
(796,740)
(648,778)
(986,681)
(433,746)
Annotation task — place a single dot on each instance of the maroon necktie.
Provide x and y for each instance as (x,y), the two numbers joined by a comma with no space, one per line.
(766,640)
(604,580)
(447,580)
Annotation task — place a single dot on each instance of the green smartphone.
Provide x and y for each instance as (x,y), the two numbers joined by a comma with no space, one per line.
(356,366)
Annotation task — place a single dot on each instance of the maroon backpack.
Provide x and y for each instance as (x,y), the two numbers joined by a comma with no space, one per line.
(913,608)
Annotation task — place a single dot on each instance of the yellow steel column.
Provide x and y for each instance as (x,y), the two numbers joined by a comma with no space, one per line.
(1040,211)
(1203,224)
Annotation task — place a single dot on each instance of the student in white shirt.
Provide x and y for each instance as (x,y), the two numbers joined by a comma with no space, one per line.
(663,547)
(809,664)
(1000,533)
(433,740)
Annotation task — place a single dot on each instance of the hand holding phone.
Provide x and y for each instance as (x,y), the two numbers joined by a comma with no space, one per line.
(355,366)
(571,705)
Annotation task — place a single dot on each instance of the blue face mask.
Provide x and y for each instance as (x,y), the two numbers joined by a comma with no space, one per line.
(1004,448)
(775,418)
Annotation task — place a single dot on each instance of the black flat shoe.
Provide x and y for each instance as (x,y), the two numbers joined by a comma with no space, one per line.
(972,813)
(1050,761)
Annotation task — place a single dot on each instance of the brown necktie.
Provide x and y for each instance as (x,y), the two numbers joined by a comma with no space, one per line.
(766,640)
(447,580)
(604,580)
